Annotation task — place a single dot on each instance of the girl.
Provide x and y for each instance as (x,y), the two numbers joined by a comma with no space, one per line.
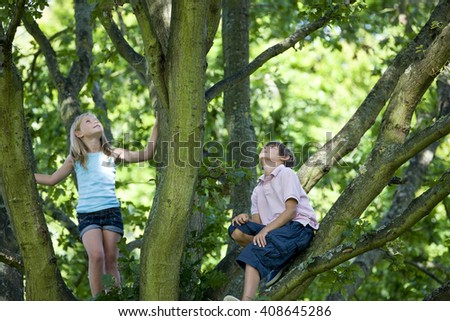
(98,210)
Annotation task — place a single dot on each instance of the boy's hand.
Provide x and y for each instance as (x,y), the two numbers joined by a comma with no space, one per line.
(240,219)
(260,238)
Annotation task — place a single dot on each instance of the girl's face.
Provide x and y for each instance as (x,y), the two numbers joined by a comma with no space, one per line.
(89,126)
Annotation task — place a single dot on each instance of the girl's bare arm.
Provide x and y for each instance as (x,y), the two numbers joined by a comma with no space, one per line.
(128,156)
(59,175)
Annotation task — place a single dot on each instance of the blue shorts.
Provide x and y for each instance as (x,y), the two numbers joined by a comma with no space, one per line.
(282,244)
(108,219)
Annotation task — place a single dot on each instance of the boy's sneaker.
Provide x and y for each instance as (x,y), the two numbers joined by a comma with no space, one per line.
(274,276)
(230,298)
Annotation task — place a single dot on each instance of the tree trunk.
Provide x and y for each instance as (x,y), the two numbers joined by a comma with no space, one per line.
(236,102)
(164,236)
(18,189)
(241,147)
(11,279)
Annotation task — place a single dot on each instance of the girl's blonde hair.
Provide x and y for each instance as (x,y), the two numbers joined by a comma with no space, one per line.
(78,149)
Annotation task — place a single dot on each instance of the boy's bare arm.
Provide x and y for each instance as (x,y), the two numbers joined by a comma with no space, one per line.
(244,218)
(284,218)
(256,218)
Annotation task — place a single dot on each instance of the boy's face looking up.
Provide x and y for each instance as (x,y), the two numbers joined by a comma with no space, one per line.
(270,155)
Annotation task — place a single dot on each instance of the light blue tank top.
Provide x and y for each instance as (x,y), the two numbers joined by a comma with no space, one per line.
(96,184)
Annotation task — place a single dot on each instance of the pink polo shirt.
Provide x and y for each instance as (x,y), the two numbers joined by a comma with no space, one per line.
(271,193)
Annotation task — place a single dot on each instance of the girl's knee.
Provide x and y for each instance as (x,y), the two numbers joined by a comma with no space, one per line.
(111,259)
(96,256)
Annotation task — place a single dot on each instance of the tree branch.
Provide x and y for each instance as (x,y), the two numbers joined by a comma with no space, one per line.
(395,125)
(385,158)
(19,10)
(447,207)
(80,69)
(100,103)
(424,270)
(424,138)
(49,54)
(154,51)
(213,21)
(440,294)
(413,178)
(31,69)
(417,209)
(136,60)
(405,193)
(11,259)
(159,13)
(268,54)
(350,135)
(62,218)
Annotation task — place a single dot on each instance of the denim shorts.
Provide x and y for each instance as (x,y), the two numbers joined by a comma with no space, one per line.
(282,245)
(108,219)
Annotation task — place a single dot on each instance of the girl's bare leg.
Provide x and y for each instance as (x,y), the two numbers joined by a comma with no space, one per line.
(110,240)
(93,243)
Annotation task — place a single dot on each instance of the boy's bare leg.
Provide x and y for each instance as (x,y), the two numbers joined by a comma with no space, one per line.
(251,282)
(241,238)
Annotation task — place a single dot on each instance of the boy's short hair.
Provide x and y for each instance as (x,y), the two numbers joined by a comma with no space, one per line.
(283,151)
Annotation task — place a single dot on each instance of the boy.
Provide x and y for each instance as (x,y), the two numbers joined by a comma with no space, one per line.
(281,224)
